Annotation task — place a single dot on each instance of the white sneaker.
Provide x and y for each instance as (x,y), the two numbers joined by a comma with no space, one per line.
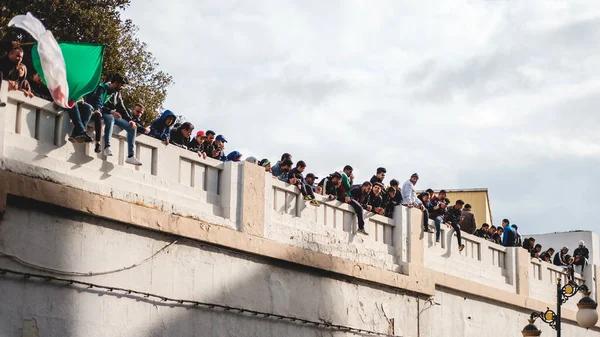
(107,152)
(133,161)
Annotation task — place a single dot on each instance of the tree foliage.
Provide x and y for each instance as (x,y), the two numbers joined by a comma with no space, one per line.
(98,21)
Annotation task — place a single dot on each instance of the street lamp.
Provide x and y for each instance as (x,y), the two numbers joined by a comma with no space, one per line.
(587,316)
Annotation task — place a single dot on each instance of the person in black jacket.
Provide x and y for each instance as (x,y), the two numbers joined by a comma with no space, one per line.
(361,195)
(378,178)
(181,135)
(375,198)
(390,203)
(38,88)
(482,232)
(114,111)
(330,185)
(8,68)
(452,218)
(425,197)
(581,255)
(296,178)
(547,255)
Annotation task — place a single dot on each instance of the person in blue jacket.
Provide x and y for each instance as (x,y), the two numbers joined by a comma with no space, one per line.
(509,236)
(160,128)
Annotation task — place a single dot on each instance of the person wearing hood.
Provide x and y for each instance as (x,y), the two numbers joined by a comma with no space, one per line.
(181,135)
(234,156)
(160,128)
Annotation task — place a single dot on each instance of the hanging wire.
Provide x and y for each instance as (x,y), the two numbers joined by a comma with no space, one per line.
(74,273)
(189,303)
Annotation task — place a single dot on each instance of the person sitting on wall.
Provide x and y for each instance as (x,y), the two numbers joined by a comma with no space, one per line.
(309,181)
(218,151)
(266,164)
(375,199)
(581,255)
(195,144)
(436,209)
(563,259)
(114,112)
(536,251)
(8,68)
(361,195)
(234,156)
(181,135)
(285,166)
(160,128)
(296,178)
(528,244)
(547,255)
(38,88)
(497,236)
(452,219)
(483,231)
(390,202)
(329,186)
(468,223)
(276,169)
(379,176)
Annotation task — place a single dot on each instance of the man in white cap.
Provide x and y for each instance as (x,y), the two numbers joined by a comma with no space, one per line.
(581,255)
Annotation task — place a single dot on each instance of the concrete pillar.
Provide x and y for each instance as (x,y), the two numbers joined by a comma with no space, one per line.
(399,237)
(252,210)
(230,187)
(523,260)
(416,247)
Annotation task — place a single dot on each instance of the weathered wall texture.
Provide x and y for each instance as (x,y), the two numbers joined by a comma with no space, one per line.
(61,239)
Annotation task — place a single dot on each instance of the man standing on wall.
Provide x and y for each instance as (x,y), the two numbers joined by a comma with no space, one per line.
(510,235)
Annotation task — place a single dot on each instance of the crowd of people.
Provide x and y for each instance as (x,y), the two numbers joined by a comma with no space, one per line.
(105,106)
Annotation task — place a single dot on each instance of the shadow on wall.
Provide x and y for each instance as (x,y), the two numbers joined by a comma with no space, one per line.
(62,239)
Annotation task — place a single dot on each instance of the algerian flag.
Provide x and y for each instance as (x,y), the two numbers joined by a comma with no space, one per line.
(69,70)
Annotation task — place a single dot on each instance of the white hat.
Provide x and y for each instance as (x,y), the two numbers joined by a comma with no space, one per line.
(581,243)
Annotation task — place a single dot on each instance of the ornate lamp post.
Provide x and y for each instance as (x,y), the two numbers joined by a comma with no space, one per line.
(587,316)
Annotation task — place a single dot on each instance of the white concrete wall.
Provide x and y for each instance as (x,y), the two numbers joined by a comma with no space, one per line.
(62,239)
(173,179)
(481,260)
(571,240)
(186,270)
(329,228)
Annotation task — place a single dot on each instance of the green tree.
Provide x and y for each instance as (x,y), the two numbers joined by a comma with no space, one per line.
(98,21)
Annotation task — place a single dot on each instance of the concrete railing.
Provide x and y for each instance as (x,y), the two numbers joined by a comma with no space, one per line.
(480,260)
(543,277)
(33,141)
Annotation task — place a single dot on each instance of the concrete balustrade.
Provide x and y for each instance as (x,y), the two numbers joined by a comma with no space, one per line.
(242,197)
(480,259)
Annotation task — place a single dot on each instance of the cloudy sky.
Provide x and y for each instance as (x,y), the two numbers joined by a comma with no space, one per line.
(469,94)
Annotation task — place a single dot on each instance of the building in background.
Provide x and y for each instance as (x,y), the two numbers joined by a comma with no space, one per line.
(570,239)
(478,199)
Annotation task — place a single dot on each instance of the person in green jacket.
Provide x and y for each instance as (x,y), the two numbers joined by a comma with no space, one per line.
(345,196)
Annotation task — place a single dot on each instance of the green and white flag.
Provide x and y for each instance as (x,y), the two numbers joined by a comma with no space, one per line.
(69,70)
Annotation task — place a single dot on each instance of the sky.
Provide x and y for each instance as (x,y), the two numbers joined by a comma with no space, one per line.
(468,94)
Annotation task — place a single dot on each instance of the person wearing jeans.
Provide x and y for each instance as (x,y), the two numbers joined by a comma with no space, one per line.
(436,207)
(130,127)
(80,115)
